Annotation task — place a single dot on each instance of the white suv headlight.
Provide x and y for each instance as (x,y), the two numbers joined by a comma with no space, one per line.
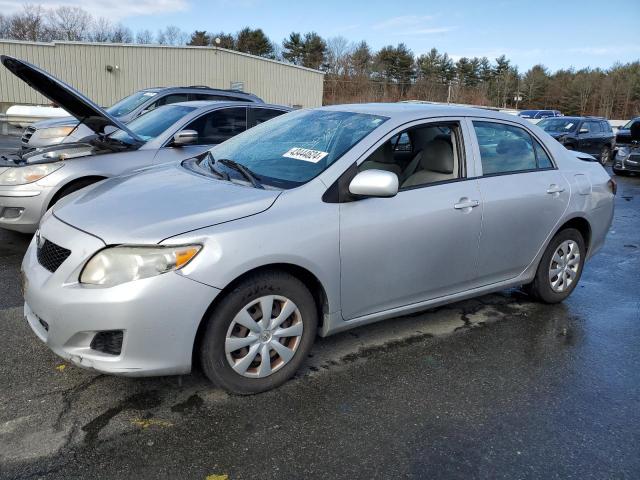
(115,265)
(27,174)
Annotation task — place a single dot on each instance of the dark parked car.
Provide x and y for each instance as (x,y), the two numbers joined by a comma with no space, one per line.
(592,135)
(67,130)
(627,158)
(539,114)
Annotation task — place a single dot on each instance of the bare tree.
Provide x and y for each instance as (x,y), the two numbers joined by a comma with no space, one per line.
(29,24)
(121,34)
(102,30)
(144,37)
(4,26)
(338,51)
(69,23)
(172,35)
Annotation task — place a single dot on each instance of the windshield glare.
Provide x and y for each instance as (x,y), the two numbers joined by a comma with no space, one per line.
(153,123)
(291,149)
(130,103)
(628,124)
(558,125)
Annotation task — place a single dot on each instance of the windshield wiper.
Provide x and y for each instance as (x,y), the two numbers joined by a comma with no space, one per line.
(211,162)
(244,171)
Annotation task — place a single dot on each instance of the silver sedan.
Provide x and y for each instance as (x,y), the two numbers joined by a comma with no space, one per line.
(314,222)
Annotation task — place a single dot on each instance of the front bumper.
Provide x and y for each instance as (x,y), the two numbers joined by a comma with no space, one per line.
(159,316)
(22,206)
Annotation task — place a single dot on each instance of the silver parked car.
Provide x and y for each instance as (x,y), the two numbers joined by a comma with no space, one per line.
(315,222)
(67,129)
(31,182)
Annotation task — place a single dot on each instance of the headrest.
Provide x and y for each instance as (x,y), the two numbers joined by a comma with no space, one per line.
(383,154)
(437,156)
(512,146)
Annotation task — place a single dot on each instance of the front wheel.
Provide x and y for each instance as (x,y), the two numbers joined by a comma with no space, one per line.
(259,334)
(560,267)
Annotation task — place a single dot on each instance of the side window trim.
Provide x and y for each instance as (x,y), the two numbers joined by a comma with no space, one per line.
(476,146)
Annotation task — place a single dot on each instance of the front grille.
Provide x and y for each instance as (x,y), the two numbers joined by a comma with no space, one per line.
(51,256)
(109,342)
(28,133)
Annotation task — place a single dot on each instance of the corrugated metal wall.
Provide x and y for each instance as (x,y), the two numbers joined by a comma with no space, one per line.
(83,65)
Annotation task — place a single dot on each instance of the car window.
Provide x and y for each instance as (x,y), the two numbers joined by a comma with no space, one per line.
(436,155)
(172,98)
(261,115)
(401,142)
(541,156)
(558,125)
(220,125)
(152,124)
(595,127)
(504,148)
(585,128)
(606,128)
(130,103)
(212,97)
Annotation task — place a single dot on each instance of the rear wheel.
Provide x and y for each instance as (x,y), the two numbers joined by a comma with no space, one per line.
(560,268)
(605,155)
(259,334)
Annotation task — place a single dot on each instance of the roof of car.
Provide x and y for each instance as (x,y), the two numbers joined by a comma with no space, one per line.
(411,111)
(203,88)
(224,103)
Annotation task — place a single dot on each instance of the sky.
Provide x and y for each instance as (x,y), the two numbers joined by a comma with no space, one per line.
(558,34)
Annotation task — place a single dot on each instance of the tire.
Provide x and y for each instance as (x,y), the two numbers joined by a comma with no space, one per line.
(617,171)
(541,288)
(605,155)
(244,303)
(72,187)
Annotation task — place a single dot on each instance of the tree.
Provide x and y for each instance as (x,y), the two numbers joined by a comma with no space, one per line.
(314,50)
(338,55)
(29,25)
(172,35)
(199,38)
(144,37)
(395,63)
(121,34)
(254,42)
(534,85)
(293,49)
(226,40)
(101,30)
(360,60)
(69,23)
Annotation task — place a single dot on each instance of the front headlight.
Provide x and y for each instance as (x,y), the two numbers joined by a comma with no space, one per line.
(55,132)
(27,174)
(116,265)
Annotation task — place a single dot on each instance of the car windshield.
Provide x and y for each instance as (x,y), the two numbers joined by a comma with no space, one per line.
(627,126)
(558,125)
(130,103)
(153,123)
(291,149)
(527,113)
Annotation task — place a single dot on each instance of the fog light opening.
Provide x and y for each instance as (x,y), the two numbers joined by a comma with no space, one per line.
(11,213)
(109,342)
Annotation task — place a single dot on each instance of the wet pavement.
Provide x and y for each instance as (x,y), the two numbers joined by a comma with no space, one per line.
(496,387)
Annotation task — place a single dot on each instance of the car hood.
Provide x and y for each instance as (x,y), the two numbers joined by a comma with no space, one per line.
(157,203)
(79,106)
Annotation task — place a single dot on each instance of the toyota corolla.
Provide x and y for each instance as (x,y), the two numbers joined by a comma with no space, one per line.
(312,223)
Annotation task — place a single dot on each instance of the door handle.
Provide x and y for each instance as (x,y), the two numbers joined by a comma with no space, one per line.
(465,203)
(553,188)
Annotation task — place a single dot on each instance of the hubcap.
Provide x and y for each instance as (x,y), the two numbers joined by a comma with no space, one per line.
(564,266)
(263,336)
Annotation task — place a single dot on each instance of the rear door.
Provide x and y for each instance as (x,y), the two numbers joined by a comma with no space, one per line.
(523,195)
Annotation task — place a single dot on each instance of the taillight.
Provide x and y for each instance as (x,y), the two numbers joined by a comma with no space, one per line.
(613,186)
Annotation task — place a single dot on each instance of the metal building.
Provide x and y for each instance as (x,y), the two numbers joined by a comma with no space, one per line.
(108,72)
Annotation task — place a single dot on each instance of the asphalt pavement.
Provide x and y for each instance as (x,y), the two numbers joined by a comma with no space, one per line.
(496,387)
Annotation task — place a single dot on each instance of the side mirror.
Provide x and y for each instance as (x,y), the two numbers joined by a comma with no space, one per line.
(584,130)
(374,183)
(635,131)
(185,137)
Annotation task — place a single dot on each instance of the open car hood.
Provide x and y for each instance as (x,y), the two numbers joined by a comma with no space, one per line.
(87,112)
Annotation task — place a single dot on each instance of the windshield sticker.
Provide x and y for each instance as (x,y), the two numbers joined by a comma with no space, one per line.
(150,94)
(305,154)
(568,126)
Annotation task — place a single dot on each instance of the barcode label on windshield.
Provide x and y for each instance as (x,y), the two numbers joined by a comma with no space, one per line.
(305,154)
